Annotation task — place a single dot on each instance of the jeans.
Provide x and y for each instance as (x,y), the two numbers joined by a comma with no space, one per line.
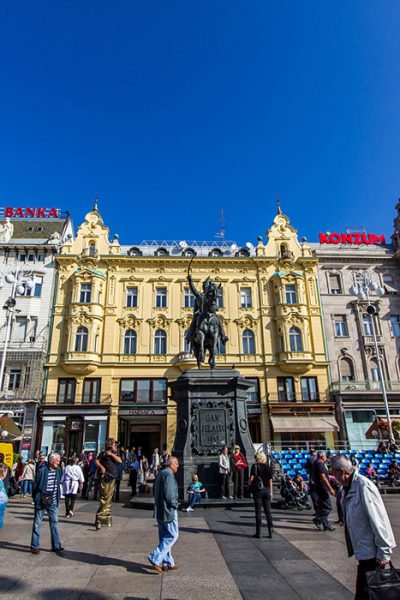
(238,480)
(168,533)
(224,484)
(324,507)
(27,487)
(193,499)
(262,500)
(52,511)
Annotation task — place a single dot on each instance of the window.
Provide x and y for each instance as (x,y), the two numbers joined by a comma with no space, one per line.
(161,252)
(253,393)
(161,297)
(91,390)
(374,371)
(291,294)
(36,291)
(130,342)
(341,326)
(346,370)
(249,346)
(368,325)
(131,297)
(143,391)
(92,249)
(14,379)
(189,298)
(20,327)
(22,257)
(245,297)
(221,348)
(295,340)
(66,391)
(81,339)
(395,324)
(160,342)
(335,284)
(309,389)
(286,389)
(41,257)
(220,298)
(86,293)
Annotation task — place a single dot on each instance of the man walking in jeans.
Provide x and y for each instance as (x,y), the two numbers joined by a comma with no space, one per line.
(47,483)
(166,513)
(323,488)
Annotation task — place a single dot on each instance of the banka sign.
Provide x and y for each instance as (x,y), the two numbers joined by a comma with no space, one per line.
(355,239)
(19,212)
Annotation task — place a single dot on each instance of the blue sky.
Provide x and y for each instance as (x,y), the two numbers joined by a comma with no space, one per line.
(174,110)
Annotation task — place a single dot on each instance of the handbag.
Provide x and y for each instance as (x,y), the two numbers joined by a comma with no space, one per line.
(257,484)
(384,583)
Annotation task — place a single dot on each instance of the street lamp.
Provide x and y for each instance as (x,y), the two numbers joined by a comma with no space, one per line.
(362,288)
(20,281)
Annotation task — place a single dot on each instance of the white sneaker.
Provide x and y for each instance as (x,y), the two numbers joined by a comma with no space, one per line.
(71,514)
(223,497)
(189,509)
(230,497)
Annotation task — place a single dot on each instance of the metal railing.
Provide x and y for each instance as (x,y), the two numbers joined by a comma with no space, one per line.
(77,399)
(363,386)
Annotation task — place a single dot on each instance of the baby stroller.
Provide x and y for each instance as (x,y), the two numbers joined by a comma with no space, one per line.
(292,497)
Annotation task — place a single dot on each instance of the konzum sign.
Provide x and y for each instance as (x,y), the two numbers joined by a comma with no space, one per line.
(356,239)
(31,213)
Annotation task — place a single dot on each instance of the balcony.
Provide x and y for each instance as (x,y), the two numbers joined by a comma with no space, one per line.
(184,361)
(357,387)
(369,340)
(80,363)
(295,362)
(76,400)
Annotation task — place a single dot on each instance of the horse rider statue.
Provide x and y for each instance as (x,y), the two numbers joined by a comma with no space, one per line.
(206,329)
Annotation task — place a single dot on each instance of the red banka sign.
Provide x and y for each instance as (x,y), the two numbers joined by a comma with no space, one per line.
(356,239)
(31,213)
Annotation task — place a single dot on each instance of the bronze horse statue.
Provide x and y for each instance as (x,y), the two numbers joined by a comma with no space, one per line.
(206,330)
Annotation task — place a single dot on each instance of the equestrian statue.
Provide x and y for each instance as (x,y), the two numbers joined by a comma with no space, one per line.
(206,329)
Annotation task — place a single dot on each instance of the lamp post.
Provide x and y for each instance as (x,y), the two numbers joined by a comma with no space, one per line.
(20,281)
(362,288)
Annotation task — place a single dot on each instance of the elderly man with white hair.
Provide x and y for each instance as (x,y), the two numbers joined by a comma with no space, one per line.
(369,535)
(46,496)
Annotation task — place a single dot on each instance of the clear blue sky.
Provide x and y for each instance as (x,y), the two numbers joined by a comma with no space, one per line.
(172,110)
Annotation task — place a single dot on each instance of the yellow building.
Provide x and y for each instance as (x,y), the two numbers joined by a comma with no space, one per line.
(118,329)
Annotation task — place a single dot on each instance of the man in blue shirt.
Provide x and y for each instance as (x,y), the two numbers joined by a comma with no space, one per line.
(47,483)
(166,513)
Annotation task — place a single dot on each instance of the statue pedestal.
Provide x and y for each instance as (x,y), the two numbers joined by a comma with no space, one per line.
(211,413)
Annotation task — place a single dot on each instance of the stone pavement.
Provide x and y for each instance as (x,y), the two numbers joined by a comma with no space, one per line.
(218,558)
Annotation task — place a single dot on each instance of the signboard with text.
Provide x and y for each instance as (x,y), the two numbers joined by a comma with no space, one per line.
(354,239)
(20,212)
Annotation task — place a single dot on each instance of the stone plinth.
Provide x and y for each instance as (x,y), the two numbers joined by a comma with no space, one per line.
(211,413)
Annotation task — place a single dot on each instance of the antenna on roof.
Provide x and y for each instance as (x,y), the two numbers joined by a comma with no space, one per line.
(221,233)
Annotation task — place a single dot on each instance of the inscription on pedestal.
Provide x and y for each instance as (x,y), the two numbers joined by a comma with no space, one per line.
(212,427)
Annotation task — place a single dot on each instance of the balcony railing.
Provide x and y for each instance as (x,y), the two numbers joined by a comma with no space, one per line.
(78,399)
(369,340)
(363,386)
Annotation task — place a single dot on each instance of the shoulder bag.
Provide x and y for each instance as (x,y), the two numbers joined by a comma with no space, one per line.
(46,498)
(384,584)
(257,484)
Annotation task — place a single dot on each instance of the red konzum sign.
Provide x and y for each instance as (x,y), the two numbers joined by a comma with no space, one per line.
(356,239)
(31,213)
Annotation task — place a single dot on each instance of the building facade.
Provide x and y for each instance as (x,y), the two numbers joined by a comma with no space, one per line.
(118,340)
(28,247)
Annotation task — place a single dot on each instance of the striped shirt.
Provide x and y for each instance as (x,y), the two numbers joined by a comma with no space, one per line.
(51,484)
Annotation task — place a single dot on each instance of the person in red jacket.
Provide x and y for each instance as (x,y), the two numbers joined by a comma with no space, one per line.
(239,465)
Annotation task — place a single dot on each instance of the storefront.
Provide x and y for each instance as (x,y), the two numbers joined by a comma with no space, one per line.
(303,427)
(145,427)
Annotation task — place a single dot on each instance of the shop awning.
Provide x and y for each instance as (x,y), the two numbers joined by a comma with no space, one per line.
(295,423)
(14,432)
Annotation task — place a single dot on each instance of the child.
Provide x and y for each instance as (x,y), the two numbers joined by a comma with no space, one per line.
(194,490)
(3,493)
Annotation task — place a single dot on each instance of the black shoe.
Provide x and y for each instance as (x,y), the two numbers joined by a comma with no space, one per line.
(257,535)
(317,523)
(270,530)
(35,550)
(59,549)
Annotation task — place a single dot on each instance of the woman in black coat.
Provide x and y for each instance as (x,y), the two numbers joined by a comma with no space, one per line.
(260,483)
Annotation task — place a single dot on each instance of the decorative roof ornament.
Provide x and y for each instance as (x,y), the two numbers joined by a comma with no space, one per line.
(278,204)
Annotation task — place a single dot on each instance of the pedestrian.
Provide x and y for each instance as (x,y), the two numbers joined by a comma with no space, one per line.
(46,496)
(194,490)
(8,475)
(155,461)
(224,472)
(324,490)
(28,476)
(260,484)
(107,464)
(72,480)
(41,462)
(311,485)
(118,479)
(3,492)
(166,513)
(133,474)
(239,466)
(368,532)
(18,469)
(164,459)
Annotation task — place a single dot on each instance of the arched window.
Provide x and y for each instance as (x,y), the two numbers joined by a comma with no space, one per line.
(92,249)
(161,252)
(346,370)
(249,346)
(295,340)
(160,342)
(81,339)
(134,251)
(215,253)
(130,342)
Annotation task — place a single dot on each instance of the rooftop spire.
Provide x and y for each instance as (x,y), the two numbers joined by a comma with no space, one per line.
(96,202)
(278,204)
